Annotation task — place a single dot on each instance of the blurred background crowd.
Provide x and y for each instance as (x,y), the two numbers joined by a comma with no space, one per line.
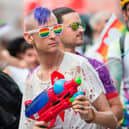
(12,12)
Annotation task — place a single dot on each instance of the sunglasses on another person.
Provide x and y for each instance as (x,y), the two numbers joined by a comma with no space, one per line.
(45,31)
(75,26)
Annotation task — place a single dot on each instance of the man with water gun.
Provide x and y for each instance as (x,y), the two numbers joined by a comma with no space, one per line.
(42,31)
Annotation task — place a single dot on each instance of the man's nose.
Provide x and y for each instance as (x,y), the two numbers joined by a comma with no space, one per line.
(81,29)
(52,34)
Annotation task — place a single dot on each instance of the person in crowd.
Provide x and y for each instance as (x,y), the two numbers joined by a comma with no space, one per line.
(22,51)
(72,37)
(10,95)
(118,55)
(43,33)
(30,56)
(5,57)
(97,23)
(10,102)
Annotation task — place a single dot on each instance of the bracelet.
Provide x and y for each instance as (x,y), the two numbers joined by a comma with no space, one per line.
(93,118)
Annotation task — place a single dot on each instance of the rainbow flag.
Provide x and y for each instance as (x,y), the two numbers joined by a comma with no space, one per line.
(112,31)
(125,104)
(125,119)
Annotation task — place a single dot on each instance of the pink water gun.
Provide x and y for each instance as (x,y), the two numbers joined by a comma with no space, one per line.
(49,103)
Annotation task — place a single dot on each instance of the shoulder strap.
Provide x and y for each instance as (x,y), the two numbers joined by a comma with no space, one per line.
(122,42)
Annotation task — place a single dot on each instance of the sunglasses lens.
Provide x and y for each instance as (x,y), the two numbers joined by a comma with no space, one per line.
(44,32)
(75,26)
(57,29)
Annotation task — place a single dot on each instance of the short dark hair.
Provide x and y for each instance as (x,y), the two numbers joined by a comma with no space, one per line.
(59,12)
(125,6)
(25,46)
(18,45)
(14,46)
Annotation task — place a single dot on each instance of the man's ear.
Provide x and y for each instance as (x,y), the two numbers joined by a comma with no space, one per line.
(28,38)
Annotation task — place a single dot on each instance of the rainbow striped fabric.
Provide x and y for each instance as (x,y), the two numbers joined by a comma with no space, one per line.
(125,120)
(125,104)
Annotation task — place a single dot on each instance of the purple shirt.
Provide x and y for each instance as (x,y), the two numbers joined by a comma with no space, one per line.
(104,77)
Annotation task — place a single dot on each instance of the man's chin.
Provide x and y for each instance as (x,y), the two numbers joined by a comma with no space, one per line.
(79,43)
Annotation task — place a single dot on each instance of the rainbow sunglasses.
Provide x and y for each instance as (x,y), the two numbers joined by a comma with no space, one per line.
(75,26)
(45,31)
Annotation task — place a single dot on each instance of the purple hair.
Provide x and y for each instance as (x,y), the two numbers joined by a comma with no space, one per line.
(41,15)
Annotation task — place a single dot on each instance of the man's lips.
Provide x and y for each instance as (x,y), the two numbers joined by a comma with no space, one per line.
(53,43)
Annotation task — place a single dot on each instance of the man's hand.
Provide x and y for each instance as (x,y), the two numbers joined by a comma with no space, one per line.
(82,105)
(40,125)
